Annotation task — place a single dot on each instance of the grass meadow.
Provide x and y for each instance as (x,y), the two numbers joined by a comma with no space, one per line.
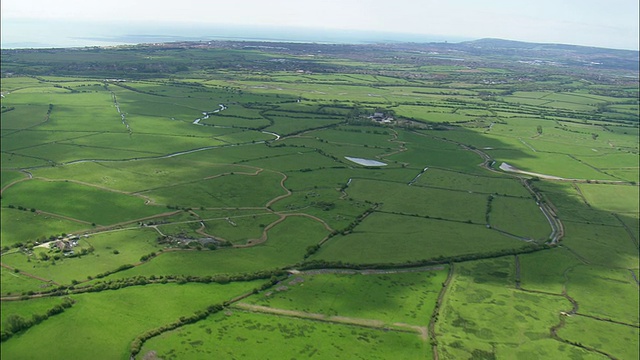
(236,334)
(389,238)
(126,163)
(484,314)
(110,320)
(392,298)
(81,202)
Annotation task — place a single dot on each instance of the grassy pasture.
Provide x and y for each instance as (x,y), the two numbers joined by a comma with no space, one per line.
(337,176)
(7,177)
(25,226)
(15,284)
(572,207)
(238,229)
(246,137)
(232,121)
(627,109)
(406,297)
(420,156)
(619,341)
(232,190)
(349,135)
(242,112)
(13,161)
(286,245)
(24,116)
(105,323)
(129,244)
(592,287)
(77,201)
(520,217)
(28,139)
(469,137)
(552,124)
(238,334)
(66,153)
(601,244)
(553,164)
(287,126)
(483,313)
(325,204)
(544,271)
(337,150)
(614,198)
(133,176)
(18,82)
(25,309)
(150,144)
(430,202)
(297,160)
(387,238)
(236,154)
(487,184)
(611,160)
(149,125)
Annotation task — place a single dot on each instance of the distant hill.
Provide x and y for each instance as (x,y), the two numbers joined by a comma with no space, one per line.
(568,54)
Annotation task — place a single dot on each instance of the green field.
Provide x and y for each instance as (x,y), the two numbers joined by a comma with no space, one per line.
(217,174)
(392,298)
(237,334)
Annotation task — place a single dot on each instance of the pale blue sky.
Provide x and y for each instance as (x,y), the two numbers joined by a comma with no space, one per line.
(604,23)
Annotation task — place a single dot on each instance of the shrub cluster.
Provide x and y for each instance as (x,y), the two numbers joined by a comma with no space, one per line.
(16,323)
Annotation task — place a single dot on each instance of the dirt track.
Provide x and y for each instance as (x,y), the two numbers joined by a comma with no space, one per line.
(370,323)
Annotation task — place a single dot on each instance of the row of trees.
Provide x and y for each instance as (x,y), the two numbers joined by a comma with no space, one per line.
(16,323)
(139,341)
(323,264)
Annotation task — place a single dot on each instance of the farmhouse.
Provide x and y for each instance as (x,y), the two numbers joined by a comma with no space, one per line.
(63,245)
(381,118)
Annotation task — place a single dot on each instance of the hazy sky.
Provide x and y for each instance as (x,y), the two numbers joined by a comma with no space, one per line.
(605,23)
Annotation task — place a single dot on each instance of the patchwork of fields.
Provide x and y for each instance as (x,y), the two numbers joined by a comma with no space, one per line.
(216,214)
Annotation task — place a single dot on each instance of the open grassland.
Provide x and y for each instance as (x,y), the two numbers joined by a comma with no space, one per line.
(238,229)
(483,314)
(286,244)
(420,201)
(424,151)
(13,161)
(14,283)
(571,205)
(389,238)
(602,245)
(232,190)
(230,163)
(520,217)
(619,341)
(135,176)
(238,334)
(545,271)
(440,178)
(107,322)
(23,117)
(81,202)
(614,198)
(22,226)
(108,252)
(25,309)
(592,286)
(337,151)
(392,298)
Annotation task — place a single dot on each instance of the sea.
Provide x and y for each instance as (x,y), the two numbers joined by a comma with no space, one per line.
(30,33)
